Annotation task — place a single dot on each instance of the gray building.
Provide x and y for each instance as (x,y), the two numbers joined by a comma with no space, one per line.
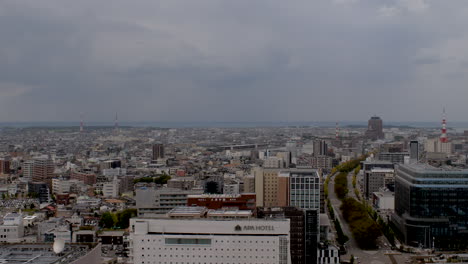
(394,157)
(374,176)
(156,202)
(377,178)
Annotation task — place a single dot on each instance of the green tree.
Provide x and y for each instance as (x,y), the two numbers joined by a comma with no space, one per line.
(365,230)
(341,185)
(123,217)
(107,220)
(143,179)
(162,179)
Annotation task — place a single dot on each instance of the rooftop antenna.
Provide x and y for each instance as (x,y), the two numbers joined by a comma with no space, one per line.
(81,123)
(443,136)
(336,131)
(116,123)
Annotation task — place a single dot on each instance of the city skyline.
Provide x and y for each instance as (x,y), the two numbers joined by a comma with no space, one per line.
(265,61)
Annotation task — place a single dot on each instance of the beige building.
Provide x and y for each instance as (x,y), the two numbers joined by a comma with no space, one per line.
(435,145)
(283,189)
(270,187)
(249,184)
(274,163)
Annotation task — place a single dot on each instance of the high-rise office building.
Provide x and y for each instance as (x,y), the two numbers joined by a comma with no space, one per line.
(375,128)
(158,151)
(304,193)
(414,150)
(430,206)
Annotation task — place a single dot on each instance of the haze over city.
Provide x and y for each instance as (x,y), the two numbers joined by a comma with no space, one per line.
(235,61)
(233,132)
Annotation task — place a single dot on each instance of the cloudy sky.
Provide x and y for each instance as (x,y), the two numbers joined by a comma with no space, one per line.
(243,60)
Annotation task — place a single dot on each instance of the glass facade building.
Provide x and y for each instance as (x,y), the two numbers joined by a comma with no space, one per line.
(304,193)
(431,206)
(304,189)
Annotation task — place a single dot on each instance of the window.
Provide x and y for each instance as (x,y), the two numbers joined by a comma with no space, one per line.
(188,241)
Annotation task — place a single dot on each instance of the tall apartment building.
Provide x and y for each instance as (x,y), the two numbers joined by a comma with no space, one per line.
(266,186)
(86,178)
(5,166)
(27,169)
(39,170)
(430,206)
(320,147)
(158,151)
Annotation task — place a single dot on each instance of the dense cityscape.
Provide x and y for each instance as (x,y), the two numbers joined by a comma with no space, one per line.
(233,132)
(352,194)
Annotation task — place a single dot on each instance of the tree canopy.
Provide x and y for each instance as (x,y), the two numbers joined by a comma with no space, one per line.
(364,229)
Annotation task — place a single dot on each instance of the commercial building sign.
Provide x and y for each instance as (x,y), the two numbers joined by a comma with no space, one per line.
(254,228)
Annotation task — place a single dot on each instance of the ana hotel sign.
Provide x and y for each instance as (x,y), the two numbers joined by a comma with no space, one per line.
(254,228)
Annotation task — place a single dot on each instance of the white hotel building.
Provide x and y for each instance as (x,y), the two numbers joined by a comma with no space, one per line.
(209,241)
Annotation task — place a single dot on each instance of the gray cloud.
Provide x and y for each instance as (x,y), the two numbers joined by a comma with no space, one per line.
(232,60)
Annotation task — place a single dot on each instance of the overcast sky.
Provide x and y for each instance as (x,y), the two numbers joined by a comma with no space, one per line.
(242,60)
